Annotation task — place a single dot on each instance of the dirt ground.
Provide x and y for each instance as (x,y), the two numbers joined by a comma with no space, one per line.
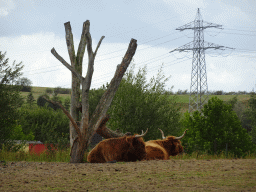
(157,175)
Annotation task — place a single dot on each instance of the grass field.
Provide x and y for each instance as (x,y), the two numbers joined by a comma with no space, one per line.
(185,98)
(182,100)
(22,171)
(37,91)
(179,173)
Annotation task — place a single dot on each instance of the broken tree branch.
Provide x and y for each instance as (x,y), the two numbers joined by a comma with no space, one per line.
(70,43)
(109,94)
(53,51)
(98,45)
(82,44)
(68,115)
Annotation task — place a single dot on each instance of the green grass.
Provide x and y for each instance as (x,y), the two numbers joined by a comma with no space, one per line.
(182,100)
(185,98)
(59,156)
(37,91)
(64,156)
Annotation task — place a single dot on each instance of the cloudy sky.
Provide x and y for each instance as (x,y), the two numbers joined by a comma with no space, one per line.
(31,28)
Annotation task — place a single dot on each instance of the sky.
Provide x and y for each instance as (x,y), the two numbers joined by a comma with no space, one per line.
(31,28)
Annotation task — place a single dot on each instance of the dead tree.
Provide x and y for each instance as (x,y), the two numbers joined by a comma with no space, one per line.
(83,133)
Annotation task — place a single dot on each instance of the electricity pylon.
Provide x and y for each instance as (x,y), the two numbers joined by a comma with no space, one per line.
(198,88)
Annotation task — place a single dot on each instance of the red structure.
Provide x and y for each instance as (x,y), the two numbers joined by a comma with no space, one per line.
(39,148)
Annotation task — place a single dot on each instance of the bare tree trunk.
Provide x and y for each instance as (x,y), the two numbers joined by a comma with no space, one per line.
(89,126)
(76,63)
(102,130)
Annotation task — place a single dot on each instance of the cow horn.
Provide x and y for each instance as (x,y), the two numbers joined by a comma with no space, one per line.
(163,137)
(178,138)
(142,135)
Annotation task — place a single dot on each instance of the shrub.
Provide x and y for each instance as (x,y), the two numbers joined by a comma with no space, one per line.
(139,105)
(218,124)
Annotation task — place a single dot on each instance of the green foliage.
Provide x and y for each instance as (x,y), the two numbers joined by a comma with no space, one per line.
(217,123)
(59,90)
(241,112)
(30,99)
(59,156)
(47,125)
(94,98)
(49,90)
(67,103)
(25,84)
(251,116)
(17,134)
(10,98)
(139,105)
(43,102)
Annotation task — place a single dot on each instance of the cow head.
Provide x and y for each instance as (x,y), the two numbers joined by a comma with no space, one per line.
(173,144)
(136,147)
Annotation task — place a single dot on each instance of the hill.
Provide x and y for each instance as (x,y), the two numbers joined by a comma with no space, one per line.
(183,100)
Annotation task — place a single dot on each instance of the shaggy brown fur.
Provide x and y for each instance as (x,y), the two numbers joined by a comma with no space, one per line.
(163,149)
(126,148)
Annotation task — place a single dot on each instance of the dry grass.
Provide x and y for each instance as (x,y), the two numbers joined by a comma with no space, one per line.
(169,175)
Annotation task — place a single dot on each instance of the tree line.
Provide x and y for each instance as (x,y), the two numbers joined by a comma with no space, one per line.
(218,92)
(137,105)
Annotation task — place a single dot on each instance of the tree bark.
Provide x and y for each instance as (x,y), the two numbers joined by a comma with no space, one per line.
(102,130)
(76,63)
(109,94)
(81,139)
(103,105)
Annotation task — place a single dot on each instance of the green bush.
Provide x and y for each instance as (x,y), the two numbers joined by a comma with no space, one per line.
(17,134)
(94,98)
(47,125)
(215,127)
(251,116)
(10,98)
(139,105)
(41,101)
(49,90)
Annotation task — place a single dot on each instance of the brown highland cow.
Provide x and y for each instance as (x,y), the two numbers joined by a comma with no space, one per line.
(163,149)
(126,148)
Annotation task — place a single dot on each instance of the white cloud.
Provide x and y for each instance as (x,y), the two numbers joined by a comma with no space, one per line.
(226,15)
(221,13)
(43,69)
(186,9)
(3,11)
(5,7)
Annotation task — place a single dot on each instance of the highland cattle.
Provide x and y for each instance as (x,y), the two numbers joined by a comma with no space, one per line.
(126,148)
(163,149)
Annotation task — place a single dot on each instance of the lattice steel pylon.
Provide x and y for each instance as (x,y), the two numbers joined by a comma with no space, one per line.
(198,88)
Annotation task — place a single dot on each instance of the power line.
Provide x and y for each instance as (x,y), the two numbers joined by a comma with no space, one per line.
(141,49)
(149,70)
(141,63)
(240,30)
(139,45)
(121,49)
(236,33)
(110,36)
(198,88)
